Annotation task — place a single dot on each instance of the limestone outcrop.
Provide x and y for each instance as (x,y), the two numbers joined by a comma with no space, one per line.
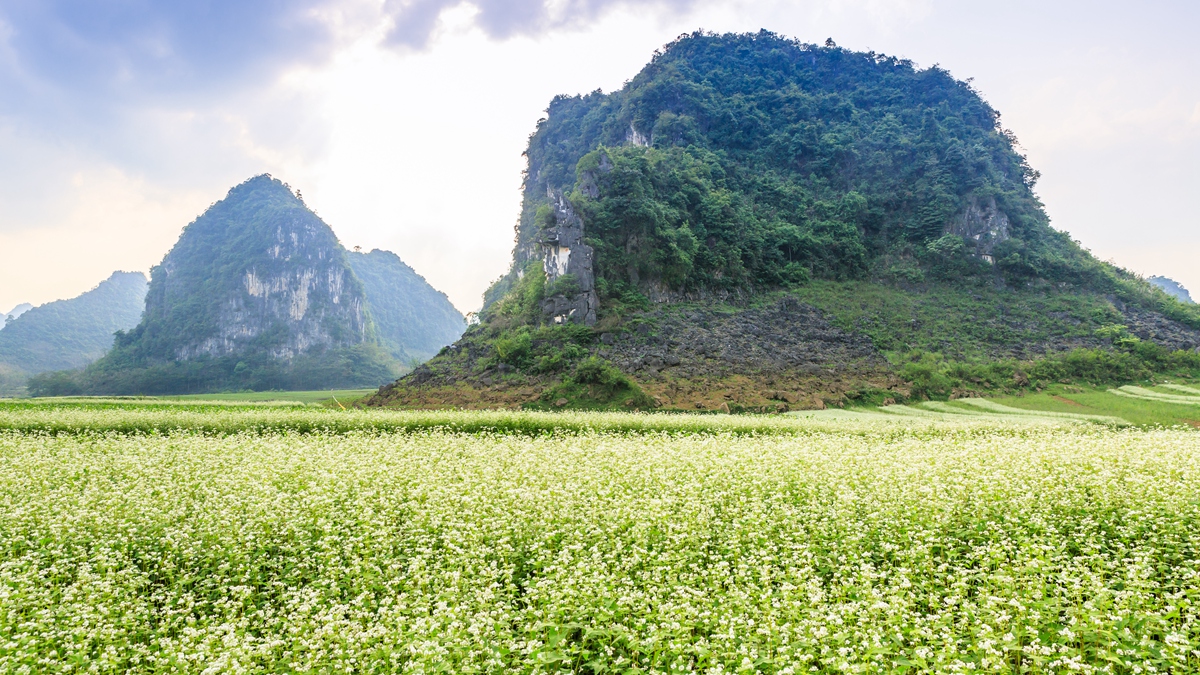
(256,294)
(568,264)
(983,226)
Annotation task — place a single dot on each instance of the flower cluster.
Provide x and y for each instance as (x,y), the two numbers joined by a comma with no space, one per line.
(91,415)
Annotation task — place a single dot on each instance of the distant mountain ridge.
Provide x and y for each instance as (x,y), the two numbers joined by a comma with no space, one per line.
(1172,288)
(413,320)
(72,333)
(255,294)
(14,313)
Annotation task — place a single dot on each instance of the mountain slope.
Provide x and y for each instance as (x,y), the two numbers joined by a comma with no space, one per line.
(736,162)
(256,294)
(68,333)
(72,333)
(14,313)
(412,319)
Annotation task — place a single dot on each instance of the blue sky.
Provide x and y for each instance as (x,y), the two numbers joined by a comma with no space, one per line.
(403,121)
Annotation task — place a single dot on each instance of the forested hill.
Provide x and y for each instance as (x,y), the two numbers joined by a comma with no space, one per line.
(412,319)
(751,212)
(15,312)
(749,161)
(72,333)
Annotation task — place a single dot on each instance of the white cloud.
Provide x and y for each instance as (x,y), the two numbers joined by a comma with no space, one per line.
(106,221)
(425,149)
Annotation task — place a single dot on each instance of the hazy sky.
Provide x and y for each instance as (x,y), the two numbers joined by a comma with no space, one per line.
(403,121)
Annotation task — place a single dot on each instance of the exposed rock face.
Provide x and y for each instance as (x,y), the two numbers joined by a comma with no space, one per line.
(784,354)
(1155,327)
(257,273)
(306,294)
(983,226)
(568,263)
(635,137)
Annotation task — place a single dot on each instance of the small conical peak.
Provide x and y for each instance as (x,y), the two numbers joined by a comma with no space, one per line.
(263,186)
(380,253)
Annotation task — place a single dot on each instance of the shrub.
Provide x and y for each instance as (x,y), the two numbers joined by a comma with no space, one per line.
(514,349)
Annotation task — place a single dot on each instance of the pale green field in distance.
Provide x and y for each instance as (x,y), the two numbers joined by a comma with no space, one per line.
(320,396)
(198,536)
(1172,404)
(1161,404)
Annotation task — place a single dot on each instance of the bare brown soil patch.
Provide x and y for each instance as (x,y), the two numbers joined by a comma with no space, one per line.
(775,392)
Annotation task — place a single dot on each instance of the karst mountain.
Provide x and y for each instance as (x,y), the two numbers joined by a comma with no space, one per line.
(258,294)
(757,223)
(1172,288)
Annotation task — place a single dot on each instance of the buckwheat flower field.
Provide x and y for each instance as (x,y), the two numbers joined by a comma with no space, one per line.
(846,547)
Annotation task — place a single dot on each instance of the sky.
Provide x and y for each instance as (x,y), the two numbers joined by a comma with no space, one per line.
(403,122)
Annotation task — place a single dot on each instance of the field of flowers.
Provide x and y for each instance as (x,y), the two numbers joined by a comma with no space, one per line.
(842,545)
(90,415)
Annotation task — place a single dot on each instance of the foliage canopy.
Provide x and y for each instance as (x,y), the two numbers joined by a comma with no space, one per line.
(745,161)
(413,320)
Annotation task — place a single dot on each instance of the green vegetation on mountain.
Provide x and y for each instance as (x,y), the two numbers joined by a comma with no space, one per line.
(745,161)
(413,320)
(256,294)
(759,214)
(69,333)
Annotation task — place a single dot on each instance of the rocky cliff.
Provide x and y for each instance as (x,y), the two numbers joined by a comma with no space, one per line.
(567,263)
(257,273)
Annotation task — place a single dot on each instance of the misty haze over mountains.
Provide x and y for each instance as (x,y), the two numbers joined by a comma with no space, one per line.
(69,333)
(1172,288)
(14,313)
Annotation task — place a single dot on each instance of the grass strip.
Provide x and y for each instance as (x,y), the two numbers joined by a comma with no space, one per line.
(1148,395)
